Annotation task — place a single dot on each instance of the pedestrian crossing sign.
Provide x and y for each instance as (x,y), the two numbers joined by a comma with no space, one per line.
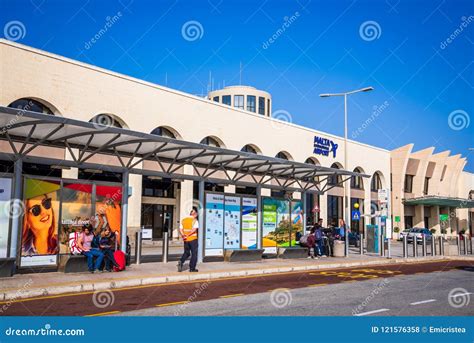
(355,215)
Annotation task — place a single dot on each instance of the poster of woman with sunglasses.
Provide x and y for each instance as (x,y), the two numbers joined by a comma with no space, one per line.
(39,235)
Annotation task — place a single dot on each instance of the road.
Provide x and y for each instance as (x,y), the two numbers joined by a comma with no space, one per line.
(430,288)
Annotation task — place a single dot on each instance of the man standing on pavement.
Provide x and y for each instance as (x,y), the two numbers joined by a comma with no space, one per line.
(189,230)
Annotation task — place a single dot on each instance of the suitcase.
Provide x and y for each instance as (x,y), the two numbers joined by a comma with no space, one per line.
(119,257)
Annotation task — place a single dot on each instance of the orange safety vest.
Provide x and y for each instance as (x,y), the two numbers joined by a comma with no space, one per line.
(188,223)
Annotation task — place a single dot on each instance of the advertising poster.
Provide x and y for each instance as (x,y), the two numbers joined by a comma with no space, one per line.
(5,202)
(76,212)
(269,207)
(39,239)
(108,208)
(283,224)
(296,222)
(232,222)
(249,223)
(214,219)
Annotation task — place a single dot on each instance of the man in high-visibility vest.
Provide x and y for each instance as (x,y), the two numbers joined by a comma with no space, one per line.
(189,230)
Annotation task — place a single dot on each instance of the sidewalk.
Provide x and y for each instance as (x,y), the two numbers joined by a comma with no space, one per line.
(42,284)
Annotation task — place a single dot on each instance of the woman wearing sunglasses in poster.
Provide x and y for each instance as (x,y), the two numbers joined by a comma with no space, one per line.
(39,227)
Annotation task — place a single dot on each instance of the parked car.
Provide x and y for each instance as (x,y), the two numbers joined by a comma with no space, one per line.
(418,233)
(403,234)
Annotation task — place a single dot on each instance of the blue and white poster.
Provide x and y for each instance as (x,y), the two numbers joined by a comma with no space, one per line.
(232,222)
(249,223)
(214,219)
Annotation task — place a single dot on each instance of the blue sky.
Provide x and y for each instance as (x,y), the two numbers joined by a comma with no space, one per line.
(424,85)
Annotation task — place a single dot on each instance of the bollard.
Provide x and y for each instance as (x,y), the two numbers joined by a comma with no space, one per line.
(472,240)
(415,248)
(165,247)
(405,247)
(138,246)
(458,243)
(382,246)
(433,246)
(361,247)
(464,241)
(441,247)
(388,248)
(423,243)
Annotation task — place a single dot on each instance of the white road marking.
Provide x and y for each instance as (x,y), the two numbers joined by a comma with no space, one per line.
(423,302)
(371,312)
(460,295)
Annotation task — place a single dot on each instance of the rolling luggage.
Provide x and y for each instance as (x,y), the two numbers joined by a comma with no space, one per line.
(119,257)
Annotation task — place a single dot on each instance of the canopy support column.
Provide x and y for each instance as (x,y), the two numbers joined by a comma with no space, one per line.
(201,222)
(305,205)
(16,208)
(123,226)
(259,217)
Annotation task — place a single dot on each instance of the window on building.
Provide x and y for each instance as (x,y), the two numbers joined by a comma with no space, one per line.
(268,107)
(334,209)
(249,148)
(239,101)
(31,105)
(408,188)
(211,141)
(443,172)
(356,181)
(216,99)
(426,186)
(226,100)
(335,179)
(251,103)
(376,183)
(164,132)
(156,187)
(261,105)
(282,155)
(106,120)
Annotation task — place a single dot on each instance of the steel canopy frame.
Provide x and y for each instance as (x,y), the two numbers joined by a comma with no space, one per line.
(25,131)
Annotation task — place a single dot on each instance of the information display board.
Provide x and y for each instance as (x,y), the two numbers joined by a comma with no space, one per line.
(232,222)
(269,207)
(249,223)
(214,221)
(5,211)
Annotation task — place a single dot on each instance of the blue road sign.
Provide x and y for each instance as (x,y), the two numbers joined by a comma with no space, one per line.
(355,215)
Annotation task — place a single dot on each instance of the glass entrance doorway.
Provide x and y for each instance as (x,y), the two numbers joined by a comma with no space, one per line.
(157,218)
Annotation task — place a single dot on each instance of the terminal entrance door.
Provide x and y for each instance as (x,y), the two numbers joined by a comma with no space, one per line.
(156,217)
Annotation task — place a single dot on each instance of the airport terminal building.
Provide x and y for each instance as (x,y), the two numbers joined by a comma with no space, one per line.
(421,186)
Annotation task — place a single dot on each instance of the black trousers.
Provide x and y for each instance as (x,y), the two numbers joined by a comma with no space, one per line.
(190,248)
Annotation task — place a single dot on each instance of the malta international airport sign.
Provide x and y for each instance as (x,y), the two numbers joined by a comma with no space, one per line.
(324,146)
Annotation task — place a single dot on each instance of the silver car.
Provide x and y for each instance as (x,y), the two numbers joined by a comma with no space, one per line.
(403,234)
(418,233)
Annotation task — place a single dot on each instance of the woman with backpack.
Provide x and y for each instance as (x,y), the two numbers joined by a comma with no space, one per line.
(106,243)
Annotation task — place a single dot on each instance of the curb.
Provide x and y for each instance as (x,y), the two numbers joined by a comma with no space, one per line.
(84,286)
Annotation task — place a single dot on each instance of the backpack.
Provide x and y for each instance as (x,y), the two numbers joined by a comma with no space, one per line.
(311,240)
(304,240)
(317,234)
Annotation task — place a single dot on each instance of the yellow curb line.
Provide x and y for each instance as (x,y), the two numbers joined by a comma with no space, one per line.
(317,285)
(231,295)
(101,314)
(171,304)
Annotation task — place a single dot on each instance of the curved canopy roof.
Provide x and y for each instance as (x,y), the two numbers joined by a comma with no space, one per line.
(148,154)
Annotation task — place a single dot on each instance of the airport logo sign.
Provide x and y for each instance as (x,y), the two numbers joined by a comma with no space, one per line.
(324,146)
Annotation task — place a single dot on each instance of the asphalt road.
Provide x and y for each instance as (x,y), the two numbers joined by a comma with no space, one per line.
(399,289)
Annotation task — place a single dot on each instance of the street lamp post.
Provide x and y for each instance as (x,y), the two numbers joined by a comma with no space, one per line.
(346,199)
